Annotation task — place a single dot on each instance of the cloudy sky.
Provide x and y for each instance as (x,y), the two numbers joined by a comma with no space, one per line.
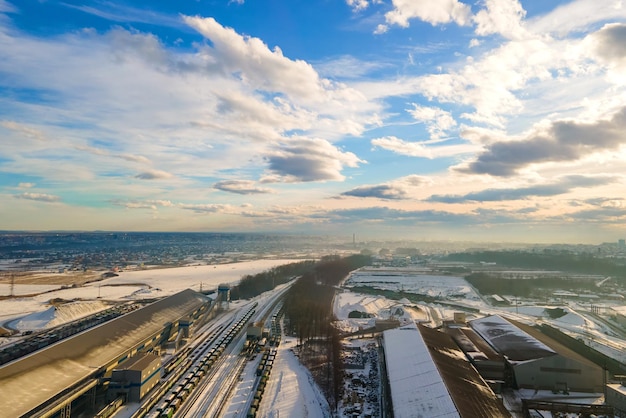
(492,120)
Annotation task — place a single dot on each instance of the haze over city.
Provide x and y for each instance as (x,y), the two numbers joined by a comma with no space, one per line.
(494,120)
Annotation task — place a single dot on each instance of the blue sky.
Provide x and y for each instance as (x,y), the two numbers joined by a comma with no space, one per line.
(495,120)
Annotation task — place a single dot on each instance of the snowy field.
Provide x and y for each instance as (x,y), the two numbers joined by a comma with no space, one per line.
(291,390)
(414,281)
(137,284)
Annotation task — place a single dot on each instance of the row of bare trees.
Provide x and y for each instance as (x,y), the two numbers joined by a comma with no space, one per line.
(253,285)
(308,308)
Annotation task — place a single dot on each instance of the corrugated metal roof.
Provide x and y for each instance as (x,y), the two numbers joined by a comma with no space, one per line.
(471,395)
(41,376)
(509,340)
(417,390)
(553,344)
(138,362)
(470,342)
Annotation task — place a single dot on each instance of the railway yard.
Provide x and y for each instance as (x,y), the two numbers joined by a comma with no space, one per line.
(202,355)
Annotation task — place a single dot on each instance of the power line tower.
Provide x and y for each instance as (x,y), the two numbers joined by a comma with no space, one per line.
(12,286)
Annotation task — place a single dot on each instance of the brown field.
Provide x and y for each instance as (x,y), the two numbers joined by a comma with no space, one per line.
(63,279)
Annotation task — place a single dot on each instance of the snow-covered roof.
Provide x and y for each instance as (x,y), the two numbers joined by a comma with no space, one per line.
(417,389)
(619,309)
(509,340)
(469,391)
(32,380)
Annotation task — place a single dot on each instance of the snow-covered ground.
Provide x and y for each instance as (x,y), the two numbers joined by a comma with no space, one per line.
(290,389)
(136,284)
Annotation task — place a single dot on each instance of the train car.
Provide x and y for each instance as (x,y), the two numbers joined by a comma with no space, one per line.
(162,406)
(258,395)
(167,413)
(251,412)
(176,404)
(177,390)
(111,408)
(169,397)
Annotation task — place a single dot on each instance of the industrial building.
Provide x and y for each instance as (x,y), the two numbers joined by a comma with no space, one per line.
(134,377)
(489,363)
(52,378)
(430,377)
(535,361)
(616,397)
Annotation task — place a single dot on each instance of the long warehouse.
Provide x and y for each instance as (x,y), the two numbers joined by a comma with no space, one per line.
(44,377)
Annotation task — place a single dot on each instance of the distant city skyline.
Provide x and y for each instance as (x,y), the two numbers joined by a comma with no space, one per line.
(488,121)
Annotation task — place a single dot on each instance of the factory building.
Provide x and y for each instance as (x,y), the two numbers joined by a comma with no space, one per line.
(489,363)
(430,377)
(52,378)
(134,377)
(616,397)
(535,361)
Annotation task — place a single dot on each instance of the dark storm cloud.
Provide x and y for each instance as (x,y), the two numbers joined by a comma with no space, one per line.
(564,185)
(562,141)
(381,191)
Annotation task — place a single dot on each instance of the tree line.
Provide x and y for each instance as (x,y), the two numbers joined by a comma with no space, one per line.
(308,307)
(547,260)
(253,285)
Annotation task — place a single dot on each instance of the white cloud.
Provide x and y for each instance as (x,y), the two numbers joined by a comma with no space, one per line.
(244,187)
(305,160)
(609,46)
(6,7)
(256,64)
(380,29)
(40,197)
(148,204)
(437,121)
(419,149)
(400,189)
(358,5)
(558,141)
(23,130)
(435,12)
(26,185)
(206,208)
(502,17)
(578,15)
(154,175)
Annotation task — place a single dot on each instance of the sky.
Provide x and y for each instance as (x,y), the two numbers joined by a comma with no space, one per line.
(493,120)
